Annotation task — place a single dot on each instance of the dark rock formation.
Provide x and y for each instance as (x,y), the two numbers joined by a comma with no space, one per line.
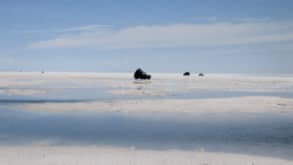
(200,74)
(186,74)
(140,74)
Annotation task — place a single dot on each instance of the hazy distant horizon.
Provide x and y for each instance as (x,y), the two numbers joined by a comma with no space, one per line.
(193,73)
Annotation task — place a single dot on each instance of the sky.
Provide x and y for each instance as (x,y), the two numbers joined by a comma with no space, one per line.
(210,36)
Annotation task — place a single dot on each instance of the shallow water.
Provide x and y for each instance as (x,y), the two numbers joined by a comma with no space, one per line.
(264,134)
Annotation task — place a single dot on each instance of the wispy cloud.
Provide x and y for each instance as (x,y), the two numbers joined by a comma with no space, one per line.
(174,35)
(88,28)
(78,29)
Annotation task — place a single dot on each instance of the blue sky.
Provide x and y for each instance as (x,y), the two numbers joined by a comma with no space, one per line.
(227,36)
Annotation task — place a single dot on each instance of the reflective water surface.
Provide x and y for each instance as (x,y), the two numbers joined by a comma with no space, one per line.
(265,134)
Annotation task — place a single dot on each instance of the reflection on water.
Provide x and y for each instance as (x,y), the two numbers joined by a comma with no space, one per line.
(270,134)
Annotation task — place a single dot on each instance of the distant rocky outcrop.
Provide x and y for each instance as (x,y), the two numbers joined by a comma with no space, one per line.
(140,74)
(186,74)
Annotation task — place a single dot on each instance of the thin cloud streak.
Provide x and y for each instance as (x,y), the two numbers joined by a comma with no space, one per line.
(174,35)
(88,28)
(77,29)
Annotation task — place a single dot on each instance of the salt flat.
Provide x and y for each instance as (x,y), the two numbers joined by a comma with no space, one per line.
(166,92)
(252,104)
(216,119)
(103,155)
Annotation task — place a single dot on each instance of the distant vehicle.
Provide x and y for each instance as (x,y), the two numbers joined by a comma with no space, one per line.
(186,74)
(200,74)
(140,74)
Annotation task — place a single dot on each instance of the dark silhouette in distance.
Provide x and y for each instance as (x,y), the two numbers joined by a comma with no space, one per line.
(200,74)
(140,74)
(186,74)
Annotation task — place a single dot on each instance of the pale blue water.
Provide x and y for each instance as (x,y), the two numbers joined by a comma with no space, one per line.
(268,134)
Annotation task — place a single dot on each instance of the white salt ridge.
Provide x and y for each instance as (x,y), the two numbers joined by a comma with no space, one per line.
(222,105)
(60,155)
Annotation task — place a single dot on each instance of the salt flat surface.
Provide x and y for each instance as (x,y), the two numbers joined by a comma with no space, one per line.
(109,118)
(43,155)
(122,83)
(228,105)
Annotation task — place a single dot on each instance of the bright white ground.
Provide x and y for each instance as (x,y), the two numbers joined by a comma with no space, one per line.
(121,156)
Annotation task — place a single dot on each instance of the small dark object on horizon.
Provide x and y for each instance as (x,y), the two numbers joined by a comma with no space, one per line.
(200,74)
(140,74)
(186,74)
